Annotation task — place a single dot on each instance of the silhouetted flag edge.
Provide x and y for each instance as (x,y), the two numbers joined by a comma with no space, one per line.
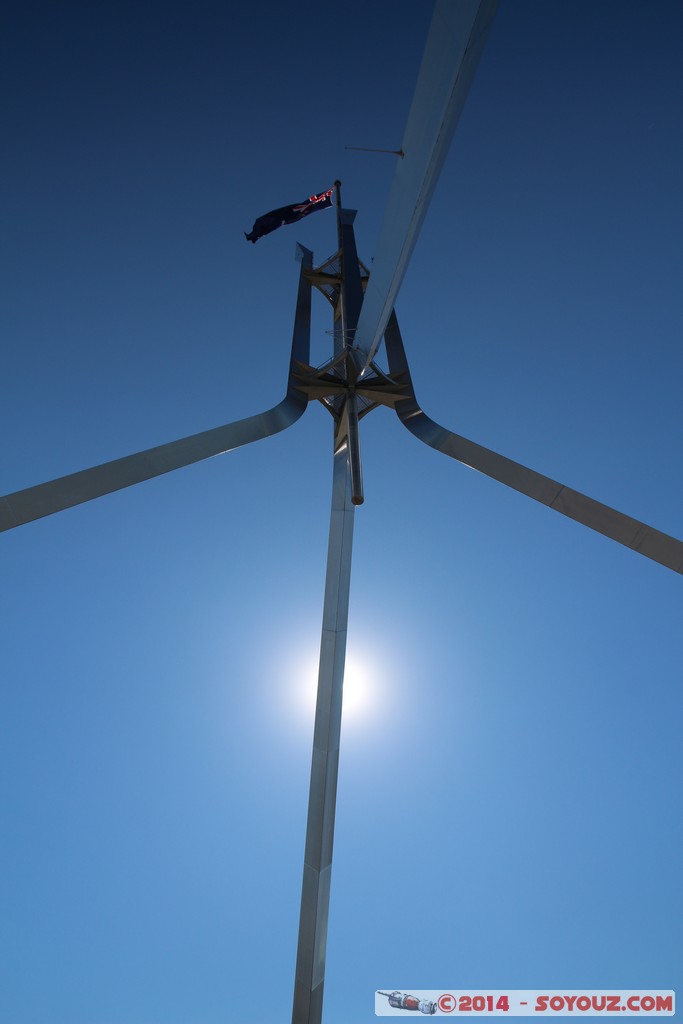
(289,215)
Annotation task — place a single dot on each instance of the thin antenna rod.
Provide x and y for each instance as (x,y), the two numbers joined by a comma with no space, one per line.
(366,149)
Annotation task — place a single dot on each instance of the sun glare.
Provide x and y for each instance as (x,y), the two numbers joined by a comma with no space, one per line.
(361,684)
(358,686)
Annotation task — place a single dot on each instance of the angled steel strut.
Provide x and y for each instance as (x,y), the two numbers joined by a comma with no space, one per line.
(455,42)
(45,499)
(646,540)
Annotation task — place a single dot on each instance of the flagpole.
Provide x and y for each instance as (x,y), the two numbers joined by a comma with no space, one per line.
(315,892)
(350,302)
(337,195)
(347,492)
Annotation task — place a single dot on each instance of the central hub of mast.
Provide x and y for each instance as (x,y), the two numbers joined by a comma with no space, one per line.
(350,302)
(338,383)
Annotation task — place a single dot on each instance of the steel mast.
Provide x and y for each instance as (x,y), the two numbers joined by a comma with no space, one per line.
(347,491)
(350,384)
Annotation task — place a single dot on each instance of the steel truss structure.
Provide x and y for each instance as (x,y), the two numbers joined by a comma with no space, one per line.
(350,385)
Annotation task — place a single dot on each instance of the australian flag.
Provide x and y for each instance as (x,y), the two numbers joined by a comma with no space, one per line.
(288,215)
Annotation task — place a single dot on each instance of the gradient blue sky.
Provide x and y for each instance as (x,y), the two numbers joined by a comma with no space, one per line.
(509,807)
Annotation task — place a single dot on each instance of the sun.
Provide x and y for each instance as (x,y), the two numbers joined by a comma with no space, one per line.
(360,679)
(362,682)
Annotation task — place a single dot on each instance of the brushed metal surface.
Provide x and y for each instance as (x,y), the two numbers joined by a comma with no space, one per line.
(350,275)
(44,499)
(351,296)
(353,441)
(454,45)
(646,540)
(315,890)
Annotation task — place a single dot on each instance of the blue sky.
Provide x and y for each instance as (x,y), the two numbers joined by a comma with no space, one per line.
(509,793)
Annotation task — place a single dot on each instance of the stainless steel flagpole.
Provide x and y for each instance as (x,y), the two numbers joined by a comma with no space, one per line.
(315,893)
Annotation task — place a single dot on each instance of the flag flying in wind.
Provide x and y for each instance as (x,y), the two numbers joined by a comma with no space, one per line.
(289,215)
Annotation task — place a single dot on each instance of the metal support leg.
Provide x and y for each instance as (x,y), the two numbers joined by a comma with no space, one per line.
(65,492)
(355,465)
(640,537)
(315,893)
